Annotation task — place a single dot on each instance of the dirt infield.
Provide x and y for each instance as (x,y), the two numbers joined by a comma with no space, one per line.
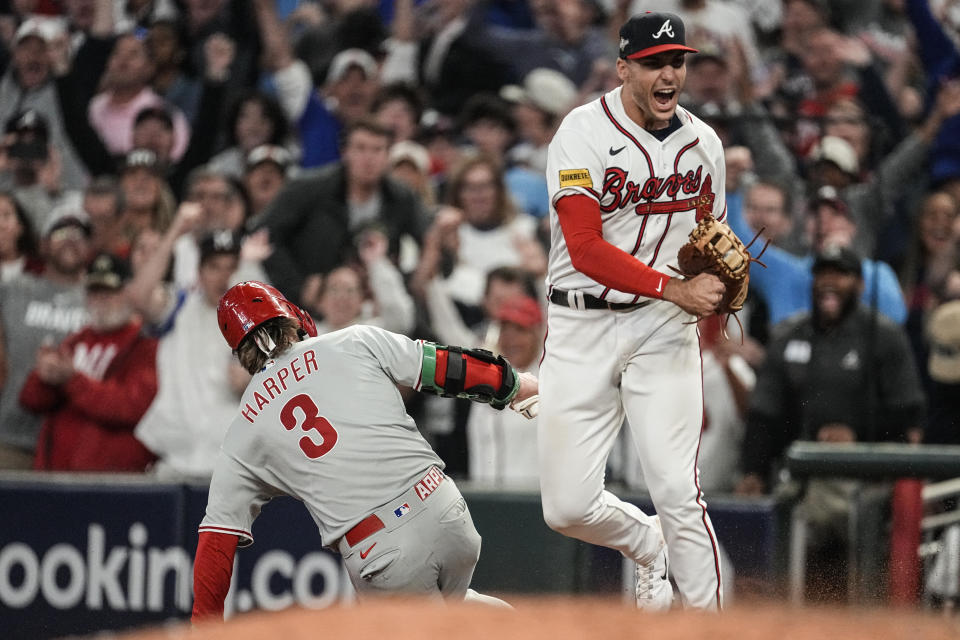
(568,619)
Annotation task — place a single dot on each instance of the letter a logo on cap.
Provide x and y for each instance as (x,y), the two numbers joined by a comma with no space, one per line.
(665,28)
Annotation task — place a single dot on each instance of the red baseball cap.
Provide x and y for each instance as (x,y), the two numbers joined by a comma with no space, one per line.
(650,33)
(520,310)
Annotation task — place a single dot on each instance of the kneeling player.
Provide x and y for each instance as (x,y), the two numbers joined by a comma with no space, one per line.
(322,420)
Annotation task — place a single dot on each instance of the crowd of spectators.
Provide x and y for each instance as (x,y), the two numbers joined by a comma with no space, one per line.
(382,162)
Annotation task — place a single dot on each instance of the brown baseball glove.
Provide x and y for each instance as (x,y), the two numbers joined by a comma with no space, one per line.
(714,248)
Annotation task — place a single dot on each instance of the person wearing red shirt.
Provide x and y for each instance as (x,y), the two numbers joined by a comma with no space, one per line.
(95,386)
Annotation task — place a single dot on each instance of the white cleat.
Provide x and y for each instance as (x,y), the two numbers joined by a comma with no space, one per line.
(654,591)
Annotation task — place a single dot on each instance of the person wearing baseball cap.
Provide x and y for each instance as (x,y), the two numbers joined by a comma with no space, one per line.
(154,128)
(833,161)
(64,218)
(91,405)
(709,81)
(521,324)
(943,369)
(837,284)
(502,448)
(838,258)
(29,121)
(352,81)
(28,83)
(107,272)
(837,374)
(31,64)
(27,144)
(215,243)
(649,42)
(943,332)
(188,418)
(267,168)
(829,219)
(650,33)
(56,292)
(784,284)
(411,164)
(611,160)
(538,105)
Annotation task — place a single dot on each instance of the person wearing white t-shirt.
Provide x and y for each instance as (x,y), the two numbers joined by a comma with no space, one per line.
(502,445)
(199,381)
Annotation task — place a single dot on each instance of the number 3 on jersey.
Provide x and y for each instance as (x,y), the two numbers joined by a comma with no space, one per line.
(312,420)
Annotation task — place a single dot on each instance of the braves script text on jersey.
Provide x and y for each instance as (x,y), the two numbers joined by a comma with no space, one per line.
(641,362)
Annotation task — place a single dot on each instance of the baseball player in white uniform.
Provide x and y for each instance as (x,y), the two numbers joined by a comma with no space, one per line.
(322,420)
(630,174)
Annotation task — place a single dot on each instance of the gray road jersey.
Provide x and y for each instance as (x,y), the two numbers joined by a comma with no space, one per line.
(32,310)
(325,424)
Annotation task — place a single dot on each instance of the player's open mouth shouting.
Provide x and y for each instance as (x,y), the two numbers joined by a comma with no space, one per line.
(665,98)
(664,103)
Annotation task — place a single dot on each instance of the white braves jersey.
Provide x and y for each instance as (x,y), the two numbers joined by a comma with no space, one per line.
(651,192)
(324,424)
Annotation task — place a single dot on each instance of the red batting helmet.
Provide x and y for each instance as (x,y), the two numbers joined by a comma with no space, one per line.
(247,305)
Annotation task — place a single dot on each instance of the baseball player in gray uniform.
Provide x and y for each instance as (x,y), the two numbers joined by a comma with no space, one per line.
(630,175)
(322,420)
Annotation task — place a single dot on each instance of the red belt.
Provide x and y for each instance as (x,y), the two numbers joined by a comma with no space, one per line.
(372,523)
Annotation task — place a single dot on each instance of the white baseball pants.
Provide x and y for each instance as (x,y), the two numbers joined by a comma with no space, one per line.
(643,364)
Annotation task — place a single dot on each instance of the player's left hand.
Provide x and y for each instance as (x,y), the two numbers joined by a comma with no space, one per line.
(698,296)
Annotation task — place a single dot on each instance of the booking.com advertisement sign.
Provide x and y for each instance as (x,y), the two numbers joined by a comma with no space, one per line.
(80,556)
(87,553)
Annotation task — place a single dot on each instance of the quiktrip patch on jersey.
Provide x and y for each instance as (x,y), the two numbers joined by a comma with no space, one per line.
(575,178)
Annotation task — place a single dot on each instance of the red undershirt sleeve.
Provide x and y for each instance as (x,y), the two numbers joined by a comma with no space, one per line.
(212,569)
(593,256)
